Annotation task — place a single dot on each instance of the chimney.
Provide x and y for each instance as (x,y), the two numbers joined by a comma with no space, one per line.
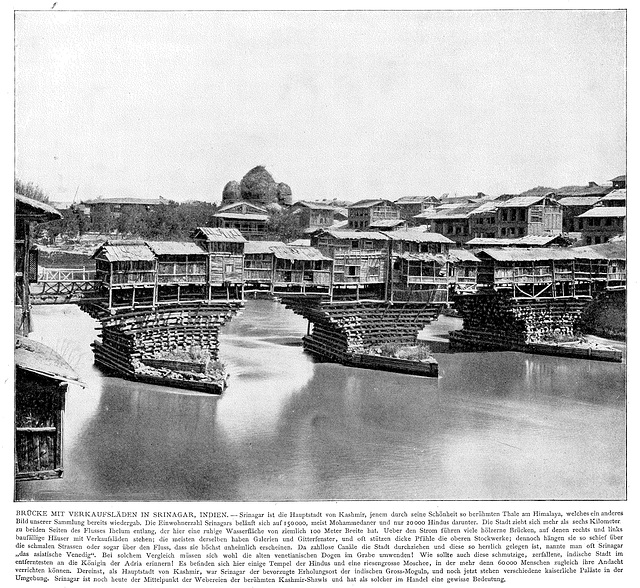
(592,185)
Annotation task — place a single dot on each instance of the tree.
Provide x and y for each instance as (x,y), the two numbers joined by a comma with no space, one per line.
(30,190)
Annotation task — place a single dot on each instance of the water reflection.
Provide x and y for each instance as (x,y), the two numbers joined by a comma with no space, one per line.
(494,425)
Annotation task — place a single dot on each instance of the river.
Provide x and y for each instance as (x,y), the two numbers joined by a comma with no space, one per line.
(499,425)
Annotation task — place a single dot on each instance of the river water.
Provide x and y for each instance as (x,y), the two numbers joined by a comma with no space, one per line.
(498,425)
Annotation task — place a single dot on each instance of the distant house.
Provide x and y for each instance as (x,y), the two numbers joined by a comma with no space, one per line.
(616,198)
(600,223)
(573,206)
(249,219)
(452,222)
(410,206)
(529,215)
(114,208)
(619,182)
(365,213)
(316,215)
(483,219)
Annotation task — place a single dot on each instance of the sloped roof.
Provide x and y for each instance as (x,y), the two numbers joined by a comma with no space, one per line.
(300,243)
(622,178)
(387,223)
(619,195)
(241,216)
(316,205)
(579,200)
(261,247)
(604,212)
(221,235)
(485,207)
(35,357)
(462,255)
(439,259)
(368,203)
(460,211)
(521,201)
(415,199)
(124,251)
(526,241)
(241,204)
(413,236)
(370,235)
(537,254)
(609,250)
(34,208)
(299,253)
(175,248)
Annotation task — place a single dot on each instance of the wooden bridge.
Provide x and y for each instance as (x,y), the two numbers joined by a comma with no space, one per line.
(65,286)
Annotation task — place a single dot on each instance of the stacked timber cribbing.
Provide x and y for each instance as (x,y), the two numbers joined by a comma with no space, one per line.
(497,321)
(351,327)
(131,336)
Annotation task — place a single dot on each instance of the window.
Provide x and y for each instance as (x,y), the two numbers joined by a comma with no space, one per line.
(353,270)
(521,231)
(522,214)
(503,232)
(368,244)
(597,240)
(228,268)
(355,244)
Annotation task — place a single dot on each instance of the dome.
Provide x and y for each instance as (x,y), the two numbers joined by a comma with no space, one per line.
(284,194)
(258,186)
(231,192)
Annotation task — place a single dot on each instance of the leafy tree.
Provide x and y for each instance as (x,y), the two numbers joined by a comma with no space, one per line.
(30,190)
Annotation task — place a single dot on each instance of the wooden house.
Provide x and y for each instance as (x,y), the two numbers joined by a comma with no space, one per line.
(28,212)
(529,215)
(619,182)
(536,273)
(410,206)
(365,213)
(182,271)
(113,208)
(301,269)
(42,379)
(452,221)
(127,273)
(258,264)
(415,241)
(601,223)
(249,219)
(225,248)
(463,271)
(360,261)
(615,198)
(573,206)
(316,215)
(419,277)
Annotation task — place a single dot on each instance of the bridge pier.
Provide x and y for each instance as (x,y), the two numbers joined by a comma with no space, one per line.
(143,344)
(499,322)
(345,332)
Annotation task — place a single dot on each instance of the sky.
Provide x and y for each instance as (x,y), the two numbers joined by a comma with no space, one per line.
(345,105)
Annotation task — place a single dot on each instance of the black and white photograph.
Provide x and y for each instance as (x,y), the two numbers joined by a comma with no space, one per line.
(332,255)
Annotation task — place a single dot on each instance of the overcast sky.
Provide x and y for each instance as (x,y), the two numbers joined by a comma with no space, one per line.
(345,105)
